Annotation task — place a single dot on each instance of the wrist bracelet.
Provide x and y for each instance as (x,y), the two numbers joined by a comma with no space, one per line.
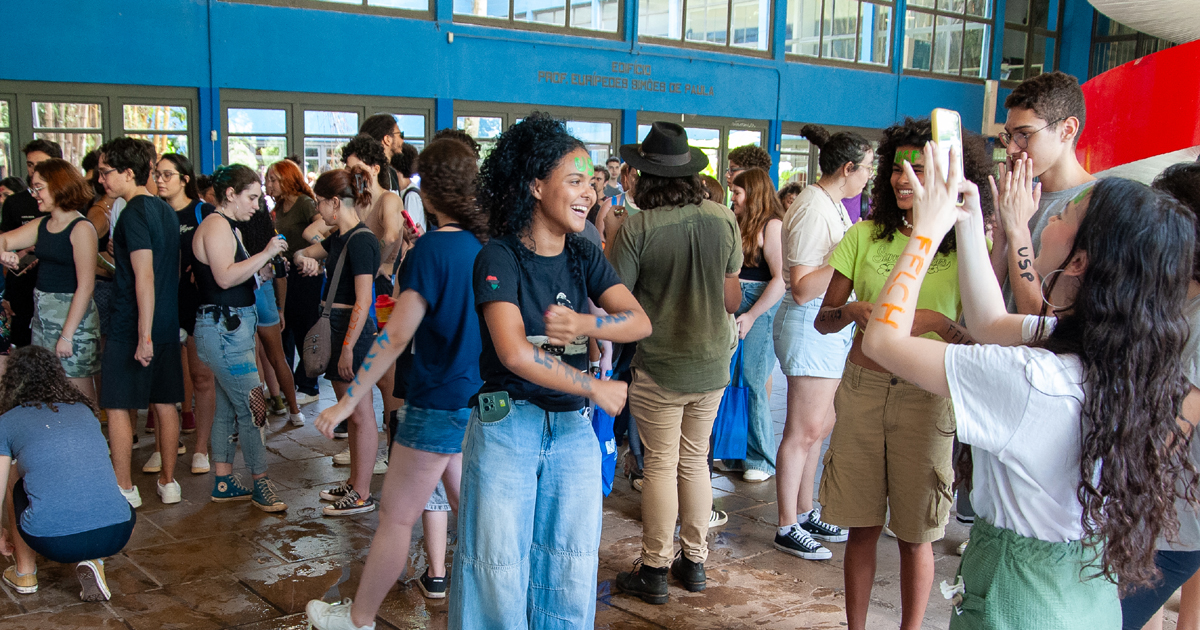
(64,339)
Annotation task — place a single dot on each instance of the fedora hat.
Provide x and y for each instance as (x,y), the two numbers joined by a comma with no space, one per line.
(665,152)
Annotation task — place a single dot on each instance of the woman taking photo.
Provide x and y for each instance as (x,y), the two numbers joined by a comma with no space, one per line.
(341,195)
(531,459)
(436,310)
(760,219)
(64,318)
(891,449)
(177,186)
(295,210)
(813,362)
(1071,419)
(65,503)
(226,323)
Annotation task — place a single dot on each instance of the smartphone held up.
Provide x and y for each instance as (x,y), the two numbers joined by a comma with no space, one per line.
(947,133)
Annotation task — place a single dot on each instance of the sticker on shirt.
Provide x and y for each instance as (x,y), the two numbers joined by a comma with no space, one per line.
(884,261)
(493,282)
(578,346)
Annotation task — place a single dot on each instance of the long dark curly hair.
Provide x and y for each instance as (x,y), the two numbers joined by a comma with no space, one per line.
(915,132)
(34,377)
(448,169)
(528,150)
(1127,326)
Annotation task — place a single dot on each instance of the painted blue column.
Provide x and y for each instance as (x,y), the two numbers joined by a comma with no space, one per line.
(208,149)
(629,126)
(631,21)
(443,10)
(443,114)
(898,34)
(998,11)
(779,30)
(774,138)
(1076,35)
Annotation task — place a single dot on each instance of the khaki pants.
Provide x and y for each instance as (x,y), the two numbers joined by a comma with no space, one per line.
(674,428)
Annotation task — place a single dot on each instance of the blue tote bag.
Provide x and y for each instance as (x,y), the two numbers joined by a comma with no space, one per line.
(602,424)
(733,416)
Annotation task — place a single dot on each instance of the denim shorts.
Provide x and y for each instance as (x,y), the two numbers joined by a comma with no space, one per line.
(264,303)
(802,351)
(438,501)
(339,322)
(432,430)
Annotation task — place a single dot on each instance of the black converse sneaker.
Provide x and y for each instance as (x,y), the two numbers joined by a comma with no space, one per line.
(350,504)
(823,531)
(337,492)
(798,543)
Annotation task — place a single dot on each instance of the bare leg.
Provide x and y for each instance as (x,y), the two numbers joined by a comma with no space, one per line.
(264,368)
(859,574)
(188,390)
(386,386)
(84,384)
(406,490)
(916,578)
(364,442)
(26,558)
(809,419)
(1189,605)
(204,386)
(276,363)
(1156,622)
(120,443)
(434,524)
(167,434)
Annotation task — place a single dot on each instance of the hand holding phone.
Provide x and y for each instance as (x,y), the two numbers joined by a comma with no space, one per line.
(947,133)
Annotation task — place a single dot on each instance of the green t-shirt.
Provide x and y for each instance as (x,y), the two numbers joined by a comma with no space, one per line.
(868,263)
(674,261)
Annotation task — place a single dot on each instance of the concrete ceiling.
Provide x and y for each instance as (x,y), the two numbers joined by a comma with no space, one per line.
(1174,20)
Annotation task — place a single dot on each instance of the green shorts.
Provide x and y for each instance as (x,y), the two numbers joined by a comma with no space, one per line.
(1015,582)
(49,314)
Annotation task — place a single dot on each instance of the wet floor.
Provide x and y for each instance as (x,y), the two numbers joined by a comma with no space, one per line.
(199,565)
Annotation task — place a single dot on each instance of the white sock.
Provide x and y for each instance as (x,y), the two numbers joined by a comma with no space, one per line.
(783,531)
(802,518)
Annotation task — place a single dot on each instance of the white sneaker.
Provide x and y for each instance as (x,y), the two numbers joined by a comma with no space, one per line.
(717,518)
(297,419)
(182,450)
(170,493)
(199,463)
(381,464)
(154,464)
(324,616)
(306,399)
(343,458)
(132,496)
(755,476)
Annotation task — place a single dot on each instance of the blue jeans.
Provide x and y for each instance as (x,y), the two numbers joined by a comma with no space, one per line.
(758,360)
(230,355)
(528,523)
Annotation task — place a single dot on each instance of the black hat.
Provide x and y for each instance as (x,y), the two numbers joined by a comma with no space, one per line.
(665,152)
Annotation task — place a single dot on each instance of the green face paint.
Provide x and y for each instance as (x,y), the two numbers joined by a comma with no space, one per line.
(584,165)
(1086,191)
(911,156)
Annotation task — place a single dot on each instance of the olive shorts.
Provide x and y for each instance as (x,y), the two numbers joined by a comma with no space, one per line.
(891,448)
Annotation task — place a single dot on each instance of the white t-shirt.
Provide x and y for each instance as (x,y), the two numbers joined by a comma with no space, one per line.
(1019,409)
(414,206)
(812,228)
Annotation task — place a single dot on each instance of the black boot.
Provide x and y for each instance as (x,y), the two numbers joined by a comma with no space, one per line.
(648,583)
(688,572)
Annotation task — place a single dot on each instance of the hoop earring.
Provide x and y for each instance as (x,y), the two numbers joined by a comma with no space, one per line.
(1045,299)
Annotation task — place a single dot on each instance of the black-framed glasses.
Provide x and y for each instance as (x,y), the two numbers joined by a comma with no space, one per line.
(1021,138)
(105,172)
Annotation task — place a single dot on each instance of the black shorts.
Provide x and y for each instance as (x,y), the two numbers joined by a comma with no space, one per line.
(339,321)
(129,385)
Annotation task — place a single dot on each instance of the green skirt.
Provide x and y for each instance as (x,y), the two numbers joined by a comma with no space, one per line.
(1011,581)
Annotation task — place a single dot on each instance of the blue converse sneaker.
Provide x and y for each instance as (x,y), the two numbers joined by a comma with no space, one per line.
(229,488)
(265,498)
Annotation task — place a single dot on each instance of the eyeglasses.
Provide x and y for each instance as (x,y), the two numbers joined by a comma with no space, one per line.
(164,175)
(37,188)
(105,172)
(1021,138)
(730,173)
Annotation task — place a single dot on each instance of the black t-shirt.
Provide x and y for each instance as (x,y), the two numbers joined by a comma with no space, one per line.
(20,208)
(146,223)
(362,259)
(504,273)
